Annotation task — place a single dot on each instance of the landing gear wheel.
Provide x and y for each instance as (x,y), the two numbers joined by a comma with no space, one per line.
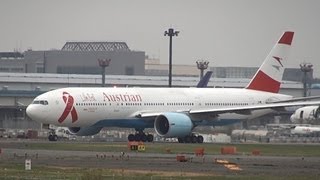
(200,139)
(187,139)
(131,137)
(140,136)
(150,138)
(143,137)
(180,140)
(191,139)
(194,139)
(137,137)
(50,137)
(53,137)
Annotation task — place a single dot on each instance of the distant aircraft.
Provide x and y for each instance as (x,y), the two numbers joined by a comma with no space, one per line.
(305,130)
(307,114)
(204,80)
(172,112)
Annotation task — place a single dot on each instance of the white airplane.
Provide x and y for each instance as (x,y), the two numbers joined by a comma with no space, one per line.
(172,112)
(305,130)
(307,114)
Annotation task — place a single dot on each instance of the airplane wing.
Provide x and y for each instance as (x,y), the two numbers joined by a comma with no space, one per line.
(297,99)
(148,114)
(248,109)
(238,110)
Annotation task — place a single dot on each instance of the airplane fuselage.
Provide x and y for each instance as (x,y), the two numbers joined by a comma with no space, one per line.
(79,107)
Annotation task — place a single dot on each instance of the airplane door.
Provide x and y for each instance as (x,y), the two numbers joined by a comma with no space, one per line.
(197,101)
(301,114)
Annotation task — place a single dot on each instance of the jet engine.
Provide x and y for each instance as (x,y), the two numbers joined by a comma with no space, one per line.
(173,125)
(308,114)
(85,131)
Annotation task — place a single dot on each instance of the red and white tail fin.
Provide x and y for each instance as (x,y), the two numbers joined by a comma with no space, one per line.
(268,77)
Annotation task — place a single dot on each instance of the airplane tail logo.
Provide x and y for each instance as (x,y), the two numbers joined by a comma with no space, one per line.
(268,77)
(69,109)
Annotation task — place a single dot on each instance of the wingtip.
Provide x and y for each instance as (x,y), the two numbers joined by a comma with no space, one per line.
(286,38)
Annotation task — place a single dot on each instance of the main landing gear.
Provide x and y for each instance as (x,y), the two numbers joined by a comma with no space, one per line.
(140,136)
(191,139)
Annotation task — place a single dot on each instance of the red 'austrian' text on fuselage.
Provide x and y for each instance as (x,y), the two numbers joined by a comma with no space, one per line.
(122,97)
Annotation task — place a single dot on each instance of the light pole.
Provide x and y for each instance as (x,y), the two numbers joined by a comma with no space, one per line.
(103,63)
(305,68)
(171,32)
(202,65)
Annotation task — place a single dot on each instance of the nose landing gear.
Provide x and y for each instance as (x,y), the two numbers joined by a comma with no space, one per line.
(52,136)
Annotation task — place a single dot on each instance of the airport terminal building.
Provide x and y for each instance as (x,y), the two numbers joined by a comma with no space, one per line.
(82,58)
(76,58)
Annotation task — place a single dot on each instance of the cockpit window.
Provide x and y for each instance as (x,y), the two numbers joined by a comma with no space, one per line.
(36,102)
(40,102)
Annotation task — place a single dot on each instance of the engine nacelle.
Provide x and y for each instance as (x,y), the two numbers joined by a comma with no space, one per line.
(85,131)
(306,114)
(173,125)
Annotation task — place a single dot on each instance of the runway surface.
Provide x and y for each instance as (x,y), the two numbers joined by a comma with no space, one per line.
(249,165)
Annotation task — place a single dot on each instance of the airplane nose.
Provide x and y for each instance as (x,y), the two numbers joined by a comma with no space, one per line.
(30,112)
(35,113)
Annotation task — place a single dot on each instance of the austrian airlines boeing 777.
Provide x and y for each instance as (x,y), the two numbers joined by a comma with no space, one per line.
(172,112)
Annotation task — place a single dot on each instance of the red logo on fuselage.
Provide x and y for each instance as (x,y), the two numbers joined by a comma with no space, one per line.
(69,109)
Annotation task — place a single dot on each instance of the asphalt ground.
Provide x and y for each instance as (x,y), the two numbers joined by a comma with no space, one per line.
(164,163)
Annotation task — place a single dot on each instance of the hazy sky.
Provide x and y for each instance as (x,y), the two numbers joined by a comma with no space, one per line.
(224,32)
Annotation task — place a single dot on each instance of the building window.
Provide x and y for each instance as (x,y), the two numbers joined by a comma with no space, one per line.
(17,69)
(40,69)
(4,69)
(129,70)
